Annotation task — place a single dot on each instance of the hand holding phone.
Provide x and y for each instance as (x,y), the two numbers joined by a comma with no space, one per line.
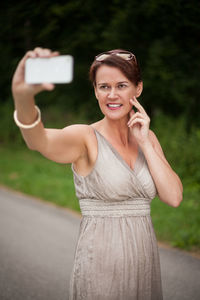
(57,69)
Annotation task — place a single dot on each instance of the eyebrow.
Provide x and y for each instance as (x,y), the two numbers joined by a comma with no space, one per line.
(120,82)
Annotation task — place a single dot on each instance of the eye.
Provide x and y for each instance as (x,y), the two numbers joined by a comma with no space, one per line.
(104,87)
(122,86)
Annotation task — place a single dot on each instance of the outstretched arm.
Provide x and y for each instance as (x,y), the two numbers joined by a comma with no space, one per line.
(167,182)
(61,145)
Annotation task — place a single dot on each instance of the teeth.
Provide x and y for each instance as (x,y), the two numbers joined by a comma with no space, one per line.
(114,105)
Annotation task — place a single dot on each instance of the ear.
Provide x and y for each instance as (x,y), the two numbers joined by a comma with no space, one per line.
(139,89)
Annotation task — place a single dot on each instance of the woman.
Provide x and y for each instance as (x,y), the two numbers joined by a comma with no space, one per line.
(118,167)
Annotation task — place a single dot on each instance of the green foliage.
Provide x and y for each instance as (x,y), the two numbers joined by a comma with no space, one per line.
(8,130)
(181,148)
(32,174)
(163,34)
(180,226)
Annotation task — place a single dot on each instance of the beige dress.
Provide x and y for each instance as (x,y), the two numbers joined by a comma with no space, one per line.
(116,256)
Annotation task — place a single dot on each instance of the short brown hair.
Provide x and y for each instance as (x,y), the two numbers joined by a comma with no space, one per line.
(130,68)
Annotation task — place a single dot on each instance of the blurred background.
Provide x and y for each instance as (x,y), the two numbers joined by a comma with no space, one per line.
(165,37)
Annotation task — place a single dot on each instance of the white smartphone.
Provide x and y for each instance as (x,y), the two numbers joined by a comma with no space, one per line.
(57,69)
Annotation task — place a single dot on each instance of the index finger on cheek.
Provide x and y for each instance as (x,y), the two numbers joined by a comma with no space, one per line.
(134,102)
(139,106)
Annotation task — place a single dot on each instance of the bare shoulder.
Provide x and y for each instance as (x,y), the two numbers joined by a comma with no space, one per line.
(77,129)
(67,145)
(82,133)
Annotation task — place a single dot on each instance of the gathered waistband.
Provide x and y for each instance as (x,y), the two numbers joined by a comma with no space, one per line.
(101,208)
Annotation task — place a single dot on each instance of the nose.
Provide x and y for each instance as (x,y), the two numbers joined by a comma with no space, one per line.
(112,94)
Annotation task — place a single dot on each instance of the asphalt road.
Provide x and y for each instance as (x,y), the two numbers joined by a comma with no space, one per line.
(37,244)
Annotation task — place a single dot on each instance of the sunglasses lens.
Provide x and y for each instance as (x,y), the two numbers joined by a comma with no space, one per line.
(102,57)
(126,56)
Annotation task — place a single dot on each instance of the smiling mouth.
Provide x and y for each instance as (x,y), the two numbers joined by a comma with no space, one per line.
(114,106)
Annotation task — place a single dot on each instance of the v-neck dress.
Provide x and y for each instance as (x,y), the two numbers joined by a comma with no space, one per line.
(116,256)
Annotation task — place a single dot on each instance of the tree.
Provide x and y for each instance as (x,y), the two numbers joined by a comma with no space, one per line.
(164,35)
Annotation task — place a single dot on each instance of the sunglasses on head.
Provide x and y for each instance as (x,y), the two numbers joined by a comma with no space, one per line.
(124,55)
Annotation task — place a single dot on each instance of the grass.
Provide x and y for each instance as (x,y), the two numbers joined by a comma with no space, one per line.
(178,227)
(29,172)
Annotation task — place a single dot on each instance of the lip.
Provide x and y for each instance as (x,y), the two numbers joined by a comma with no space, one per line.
(114,106)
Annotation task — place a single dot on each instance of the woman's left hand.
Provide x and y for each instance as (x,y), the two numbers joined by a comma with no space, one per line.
(139,123)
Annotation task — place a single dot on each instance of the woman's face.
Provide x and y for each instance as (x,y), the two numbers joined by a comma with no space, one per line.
(113,91)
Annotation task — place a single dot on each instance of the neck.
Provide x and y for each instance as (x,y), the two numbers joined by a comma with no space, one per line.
(117,130)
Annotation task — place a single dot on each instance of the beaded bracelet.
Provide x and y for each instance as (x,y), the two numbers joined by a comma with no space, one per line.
(19,124)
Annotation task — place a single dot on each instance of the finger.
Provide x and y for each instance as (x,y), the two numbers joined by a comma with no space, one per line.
(44,52)
(132,110)
(55,53)
(38,51)
(131,102)
(136,103)
(29,54)
(142,116)
(138,115)
(131,113)
(139,107)
(19,72)
(37,88)
(50,53)
(135,121)
(48,86)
